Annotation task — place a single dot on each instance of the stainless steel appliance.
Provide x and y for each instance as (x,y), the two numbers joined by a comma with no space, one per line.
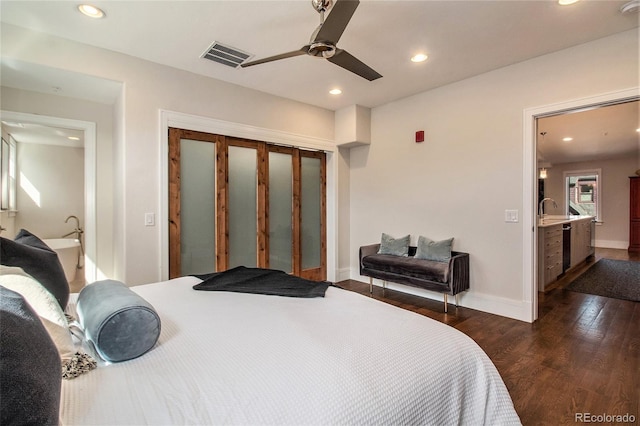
(566,247)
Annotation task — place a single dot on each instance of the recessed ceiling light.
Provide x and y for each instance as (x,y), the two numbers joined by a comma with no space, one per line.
(73,138)
(420,57)
(567,139)
(638,129)
(567,2)
(335,91)
(91,11)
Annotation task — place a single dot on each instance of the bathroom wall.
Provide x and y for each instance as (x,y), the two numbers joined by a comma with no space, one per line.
(50,188)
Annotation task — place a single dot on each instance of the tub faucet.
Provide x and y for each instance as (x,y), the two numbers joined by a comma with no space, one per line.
(541,205)
(78,231)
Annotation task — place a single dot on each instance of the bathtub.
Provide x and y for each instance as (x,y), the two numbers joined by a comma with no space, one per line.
(68,250)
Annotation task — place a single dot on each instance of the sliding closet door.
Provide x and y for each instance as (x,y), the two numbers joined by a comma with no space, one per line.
(242,207)
(312,212)
(235,202)
(192,203)
(280,208)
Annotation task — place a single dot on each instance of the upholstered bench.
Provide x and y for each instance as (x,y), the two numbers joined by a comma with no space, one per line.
(450,277)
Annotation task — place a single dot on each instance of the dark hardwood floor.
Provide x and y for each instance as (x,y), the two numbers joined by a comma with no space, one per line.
(582,355)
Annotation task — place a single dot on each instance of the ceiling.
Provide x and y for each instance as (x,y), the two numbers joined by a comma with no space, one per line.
(461,38)
(596,133)
(42,134)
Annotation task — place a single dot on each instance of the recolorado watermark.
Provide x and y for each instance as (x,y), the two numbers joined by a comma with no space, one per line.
(604,418)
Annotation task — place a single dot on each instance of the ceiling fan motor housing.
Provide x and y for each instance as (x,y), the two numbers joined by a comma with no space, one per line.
(322,50)
(321,5)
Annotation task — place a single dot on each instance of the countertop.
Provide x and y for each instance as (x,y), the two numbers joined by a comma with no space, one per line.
(550,220)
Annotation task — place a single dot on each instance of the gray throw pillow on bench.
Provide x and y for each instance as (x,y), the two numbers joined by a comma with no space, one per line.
(394,246)
(439,251)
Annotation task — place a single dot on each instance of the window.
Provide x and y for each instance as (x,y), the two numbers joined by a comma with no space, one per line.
(583,192)
(8,175)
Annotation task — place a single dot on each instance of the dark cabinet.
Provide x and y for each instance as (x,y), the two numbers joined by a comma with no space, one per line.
(634,214)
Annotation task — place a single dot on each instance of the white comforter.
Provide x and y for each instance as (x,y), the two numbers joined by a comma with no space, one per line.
(231,358)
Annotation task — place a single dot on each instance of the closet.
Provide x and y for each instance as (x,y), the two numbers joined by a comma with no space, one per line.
(236,202)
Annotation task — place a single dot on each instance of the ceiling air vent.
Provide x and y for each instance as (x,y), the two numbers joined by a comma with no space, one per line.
(225,55)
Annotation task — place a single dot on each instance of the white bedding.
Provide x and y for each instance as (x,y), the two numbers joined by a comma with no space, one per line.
(232,358)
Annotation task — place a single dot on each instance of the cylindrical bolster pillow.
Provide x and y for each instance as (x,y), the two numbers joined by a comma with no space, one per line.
(119,322)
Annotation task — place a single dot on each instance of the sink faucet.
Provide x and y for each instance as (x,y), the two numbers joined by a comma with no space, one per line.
(541,205)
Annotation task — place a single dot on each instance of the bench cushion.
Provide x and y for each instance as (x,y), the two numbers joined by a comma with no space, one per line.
(409,266)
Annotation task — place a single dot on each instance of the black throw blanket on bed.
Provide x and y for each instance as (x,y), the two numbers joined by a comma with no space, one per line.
(261,281)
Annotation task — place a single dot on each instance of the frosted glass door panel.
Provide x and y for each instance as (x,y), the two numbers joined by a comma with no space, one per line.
(311,238)
(197,207)
(242,209)
(280,211)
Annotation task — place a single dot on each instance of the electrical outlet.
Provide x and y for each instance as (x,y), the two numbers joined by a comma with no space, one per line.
(511,216)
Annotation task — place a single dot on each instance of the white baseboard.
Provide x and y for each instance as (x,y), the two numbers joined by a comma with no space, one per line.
(612,244)
(343,274)
(515,309)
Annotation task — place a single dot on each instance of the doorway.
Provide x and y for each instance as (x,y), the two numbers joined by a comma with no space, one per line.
(88,130)
(530,178)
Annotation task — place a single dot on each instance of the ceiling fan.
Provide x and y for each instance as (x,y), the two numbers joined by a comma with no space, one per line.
(324,39)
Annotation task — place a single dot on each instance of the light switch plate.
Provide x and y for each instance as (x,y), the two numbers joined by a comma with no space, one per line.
(149,219)
(511,216)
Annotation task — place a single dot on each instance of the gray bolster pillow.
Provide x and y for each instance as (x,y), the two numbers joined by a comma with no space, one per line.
(119,322)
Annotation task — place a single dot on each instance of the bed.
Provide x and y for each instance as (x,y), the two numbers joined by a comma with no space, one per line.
(234,358)
(227,357)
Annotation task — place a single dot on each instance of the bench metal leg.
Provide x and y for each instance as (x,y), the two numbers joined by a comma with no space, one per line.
(445,303)
(370,285)
(457,303)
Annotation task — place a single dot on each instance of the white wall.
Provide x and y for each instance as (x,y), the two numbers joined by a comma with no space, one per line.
(149,88)
(613,232)
(459,182)
(50,188)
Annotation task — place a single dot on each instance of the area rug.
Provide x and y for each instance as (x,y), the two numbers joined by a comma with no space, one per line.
(619,279)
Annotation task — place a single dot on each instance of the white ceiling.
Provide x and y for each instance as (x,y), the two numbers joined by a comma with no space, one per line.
(43,134)
(462,39)
(607,132)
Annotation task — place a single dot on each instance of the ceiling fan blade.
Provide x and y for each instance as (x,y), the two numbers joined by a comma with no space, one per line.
(340,15)
(301,51)
(351,63)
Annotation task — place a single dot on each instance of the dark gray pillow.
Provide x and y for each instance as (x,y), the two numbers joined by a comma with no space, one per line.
(30,376)
(394,246)
(38,260)
(119,322)
(440,251)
